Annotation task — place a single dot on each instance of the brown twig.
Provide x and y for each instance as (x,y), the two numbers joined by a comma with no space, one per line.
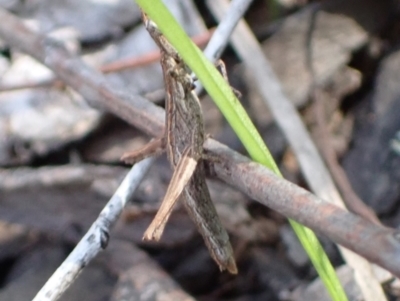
(117,66)
(351,199)
(376,243)
(151,57)
(33,85)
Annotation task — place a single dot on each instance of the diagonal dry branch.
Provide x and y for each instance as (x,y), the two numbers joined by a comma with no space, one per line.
(97,237)
(376,243)
(288,119)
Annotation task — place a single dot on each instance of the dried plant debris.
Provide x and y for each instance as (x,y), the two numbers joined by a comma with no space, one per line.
(14,239)
(373,167)
(79,192)
(312,45)
(109,19)
(110,140)
(138,42)
(30,272)
(40,120)
(46,208)
(315,291)
(36,121)
(140,278)
(60,200)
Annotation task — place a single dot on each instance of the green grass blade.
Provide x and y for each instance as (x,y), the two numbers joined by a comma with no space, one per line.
(237,117)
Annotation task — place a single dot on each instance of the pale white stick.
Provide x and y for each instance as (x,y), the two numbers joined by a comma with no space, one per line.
(96,238)
(221,35)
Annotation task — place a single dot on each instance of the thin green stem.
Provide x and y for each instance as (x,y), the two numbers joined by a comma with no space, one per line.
(237,117)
